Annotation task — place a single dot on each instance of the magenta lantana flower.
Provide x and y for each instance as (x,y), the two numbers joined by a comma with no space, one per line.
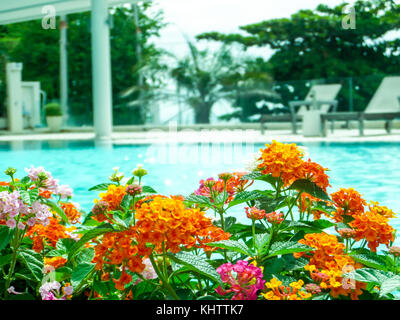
(243,280)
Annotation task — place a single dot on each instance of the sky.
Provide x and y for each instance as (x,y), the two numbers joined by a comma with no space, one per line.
(192,17)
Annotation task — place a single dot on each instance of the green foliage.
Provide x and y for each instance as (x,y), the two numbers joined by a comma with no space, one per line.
(53,110)
(38,50)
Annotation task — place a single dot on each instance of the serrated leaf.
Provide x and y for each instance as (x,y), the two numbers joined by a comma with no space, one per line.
(261,240)
(270,205)
(25,197)
(370,275)
(197,264)
(85,256)
(233,245)
(100,187)
(291,263)
(80,273)
(307,186)
(389,285)
(245,196)
(198,199)
(34,194)
(286,247)
(33,261)
(370,260)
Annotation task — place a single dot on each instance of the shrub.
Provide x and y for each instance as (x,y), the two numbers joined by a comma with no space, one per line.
(53,110)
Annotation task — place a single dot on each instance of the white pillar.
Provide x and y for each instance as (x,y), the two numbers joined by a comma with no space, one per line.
(63,68)
(101,65)
(14,97)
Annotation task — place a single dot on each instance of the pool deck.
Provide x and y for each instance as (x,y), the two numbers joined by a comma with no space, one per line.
(157,136)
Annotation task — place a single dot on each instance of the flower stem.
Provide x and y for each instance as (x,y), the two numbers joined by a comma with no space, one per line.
(164,281)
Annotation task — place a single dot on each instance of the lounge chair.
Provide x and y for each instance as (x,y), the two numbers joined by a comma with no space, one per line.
(322,96)
(384,105)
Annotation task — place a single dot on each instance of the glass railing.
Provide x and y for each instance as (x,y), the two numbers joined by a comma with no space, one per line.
(238,104)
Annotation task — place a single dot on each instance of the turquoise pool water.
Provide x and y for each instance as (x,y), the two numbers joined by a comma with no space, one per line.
(371,168)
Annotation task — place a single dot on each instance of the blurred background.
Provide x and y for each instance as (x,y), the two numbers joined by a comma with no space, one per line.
(209,61)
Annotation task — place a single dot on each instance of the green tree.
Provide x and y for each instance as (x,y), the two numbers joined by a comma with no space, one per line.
(38,50)
(312,44)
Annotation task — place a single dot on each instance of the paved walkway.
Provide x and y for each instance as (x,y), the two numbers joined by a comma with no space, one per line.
(213,135)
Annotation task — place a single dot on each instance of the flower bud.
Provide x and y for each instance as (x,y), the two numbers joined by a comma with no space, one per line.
(139,172)
(42,176)
(225,176)
(133,189)
(10,171)
(100,208)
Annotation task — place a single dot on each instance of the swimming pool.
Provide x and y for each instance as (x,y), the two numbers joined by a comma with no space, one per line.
(371,168)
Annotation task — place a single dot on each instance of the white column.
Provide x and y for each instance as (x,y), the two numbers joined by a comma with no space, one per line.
(14,97)
(63,68)
(101,65)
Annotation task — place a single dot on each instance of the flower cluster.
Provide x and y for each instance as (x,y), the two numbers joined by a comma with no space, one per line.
(254,213)
(373,227)
(113,196)
(47,235)
(162,220)
(51,291)
(277,291)
(328,263)
(244,280)
(348,202)
(71,211)
(45,181)
(274,218)
(231,183)
(55,262)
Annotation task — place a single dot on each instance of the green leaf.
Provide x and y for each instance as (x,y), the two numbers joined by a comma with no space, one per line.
(25,197)
(207,298)
(197,264)
(4,260)
(389,285)
(5,236)
(291,263)
(261,240)
(197,199)
(100,187)
(126,201)
(53,206)
(286,247)
(33,195)
(148,189)
(33,261)
(80,273)
(262,177)
(271,205)
(93,233)
(85,256)
(307,186)
(245,196)
(233,245)
(370,259)
(63,274)
(370,275)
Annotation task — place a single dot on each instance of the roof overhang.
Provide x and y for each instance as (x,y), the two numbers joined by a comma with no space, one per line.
(12,11)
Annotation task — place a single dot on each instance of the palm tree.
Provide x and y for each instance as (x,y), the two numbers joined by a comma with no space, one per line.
(207,79)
